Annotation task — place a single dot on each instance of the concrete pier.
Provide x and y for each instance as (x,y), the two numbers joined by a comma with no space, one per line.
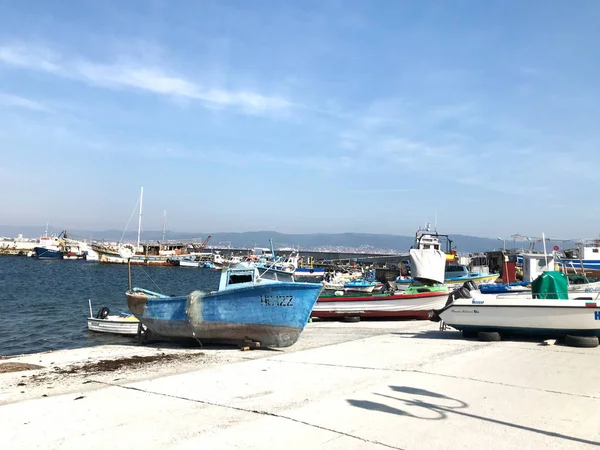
(368,385)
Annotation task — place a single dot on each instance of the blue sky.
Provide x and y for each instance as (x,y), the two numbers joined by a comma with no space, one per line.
(306,116)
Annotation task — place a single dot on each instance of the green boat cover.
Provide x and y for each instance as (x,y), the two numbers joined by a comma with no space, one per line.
(551,285)
(418,289)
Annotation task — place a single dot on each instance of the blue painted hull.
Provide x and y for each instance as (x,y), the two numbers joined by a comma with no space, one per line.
(588,265)
(273,314)
(45,253)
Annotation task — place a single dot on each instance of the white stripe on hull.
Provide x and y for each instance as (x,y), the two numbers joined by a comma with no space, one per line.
(128,327)
(364,289)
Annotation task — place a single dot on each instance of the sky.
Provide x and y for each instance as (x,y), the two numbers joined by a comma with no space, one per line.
(302,116)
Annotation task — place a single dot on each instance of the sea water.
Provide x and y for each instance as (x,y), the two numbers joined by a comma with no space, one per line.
(44,303)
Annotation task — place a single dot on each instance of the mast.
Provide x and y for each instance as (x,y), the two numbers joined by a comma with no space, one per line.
(164,223)
(140,218)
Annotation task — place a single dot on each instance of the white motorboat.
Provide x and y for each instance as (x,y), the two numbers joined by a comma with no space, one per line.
(538,312)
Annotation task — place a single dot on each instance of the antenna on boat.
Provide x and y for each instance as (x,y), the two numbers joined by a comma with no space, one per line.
(164,224)
(435,222)
(272,250)
(545,254)
(140,218)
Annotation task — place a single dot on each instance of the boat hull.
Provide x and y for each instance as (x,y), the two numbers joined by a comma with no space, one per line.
(402,305)
(185,263)
(273,314)
(551,318)
(113,326)
(364,289)
(453,282)
(47,253)
(108,255)
(591,267)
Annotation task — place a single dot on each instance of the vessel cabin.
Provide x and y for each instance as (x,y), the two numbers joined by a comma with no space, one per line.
(586,249)
(428,242)
(164,249)
(456,271)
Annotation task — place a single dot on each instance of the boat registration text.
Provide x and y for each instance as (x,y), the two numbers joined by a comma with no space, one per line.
(277,300)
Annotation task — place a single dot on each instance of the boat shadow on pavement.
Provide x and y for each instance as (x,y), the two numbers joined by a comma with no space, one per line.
(457,335)
(423,404)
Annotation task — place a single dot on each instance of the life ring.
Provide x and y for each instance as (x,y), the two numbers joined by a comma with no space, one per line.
(103,313)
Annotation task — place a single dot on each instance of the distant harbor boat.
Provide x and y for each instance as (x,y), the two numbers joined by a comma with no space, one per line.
(159,254)
(454,274)
(148,254)
(584,259)
(315,272)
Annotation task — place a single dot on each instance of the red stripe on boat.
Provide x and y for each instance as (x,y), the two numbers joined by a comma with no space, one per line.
(381,297)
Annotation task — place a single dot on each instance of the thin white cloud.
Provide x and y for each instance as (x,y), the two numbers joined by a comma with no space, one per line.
(14,101)
(29,57)
(138,77)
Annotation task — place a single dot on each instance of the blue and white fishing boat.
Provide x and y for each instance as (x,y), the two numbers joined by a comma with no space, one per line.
(50,247)
(583,259)
(247,307)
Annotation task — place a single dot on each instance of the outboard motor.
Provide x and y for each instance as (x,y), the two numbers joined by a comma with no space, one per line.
(462,292)
(469,285)
(103,313)
(434,313)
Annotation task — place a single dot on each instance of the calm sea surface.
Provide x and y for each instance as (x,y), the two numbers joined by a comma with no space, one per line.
(44,304)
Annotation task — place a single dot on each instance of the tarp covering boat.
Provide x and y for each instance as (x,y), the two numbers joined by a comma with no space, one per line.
(551,285)
(428,264)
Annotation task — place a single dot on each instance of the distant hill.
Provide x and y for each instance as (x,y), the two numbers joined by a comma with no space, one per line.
(314,241)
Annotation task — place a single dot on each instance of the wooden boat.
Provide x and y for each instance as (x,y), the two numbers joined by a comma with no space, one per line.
(415,302)
(159,254)
(247,307)
(552,311)
(123,324)
(454,276)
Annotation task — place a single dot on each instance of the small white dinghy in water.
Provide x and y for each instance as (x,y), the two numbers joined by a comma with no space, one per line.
(125,324)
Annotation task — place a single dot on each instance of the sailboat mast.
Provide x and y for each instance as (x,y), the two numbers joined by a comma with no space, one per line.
(164,223)
(140,218)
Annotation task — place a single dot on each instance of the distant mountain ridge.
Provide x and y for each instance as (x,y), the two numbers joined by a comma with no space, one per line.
(249,239)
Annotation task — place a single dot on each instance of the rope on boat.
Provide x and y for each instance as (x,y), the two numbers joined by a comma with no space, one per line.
(129,221)
(151,279)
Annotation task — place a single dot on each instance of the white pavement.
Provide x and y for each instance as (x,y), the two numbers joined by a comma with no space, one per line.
(401,390)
